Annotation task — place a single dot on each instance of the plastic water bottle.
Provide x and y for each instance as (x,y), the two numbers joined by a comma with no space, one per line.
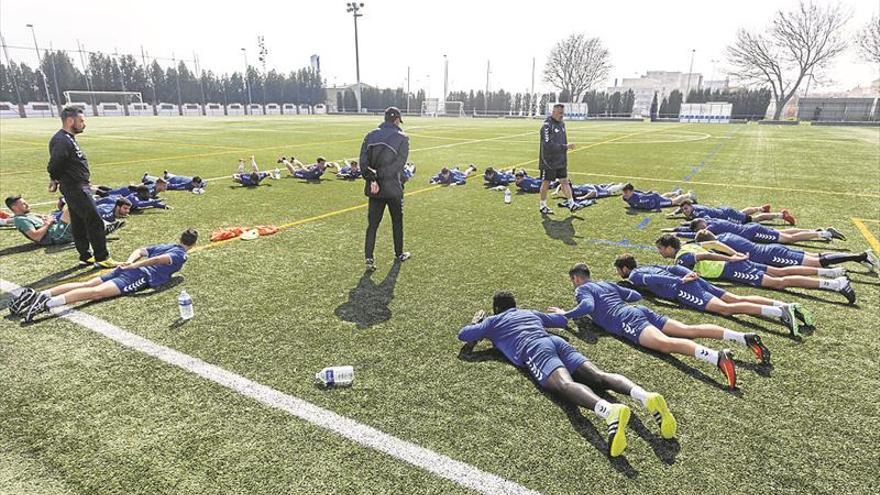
(185,303)
(335,375)
(507,196)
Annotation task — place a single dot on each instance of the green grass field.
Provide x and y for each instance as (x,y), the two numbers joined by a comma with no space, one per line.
(81,414)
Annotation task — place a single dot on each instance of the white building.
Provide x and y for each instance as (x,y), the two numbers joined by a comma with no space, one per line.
(661,82)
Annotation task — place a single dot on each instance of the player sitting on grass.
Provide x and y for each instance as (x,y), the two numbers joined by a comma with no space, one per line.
(253,178)
(592,191)
(453,177)
(45,230)
(498,178)
(606,304)
(755,232)
(521,337)
(738,269)
(678,284)
(529,184)
(746,215)
(311,172)
(349,171)
(784,256)
(654,201)
(151,266)
(176,182)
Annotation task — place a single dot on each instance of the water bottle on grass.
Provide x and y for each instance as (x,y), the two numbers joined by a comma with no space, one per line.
(335,376)
(184,302)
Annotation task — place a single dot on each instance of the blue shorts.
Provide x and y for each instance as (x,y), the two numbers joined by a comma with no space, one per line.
(306,175)
(778,255)
(758,233)
(734,215)
(127,280)
(744,272)
(631,321)
(663,203)
(697,294)
(547,354)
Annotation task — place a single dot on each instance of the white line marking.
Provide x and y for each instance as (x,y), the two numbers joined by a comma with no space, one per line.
(438,464)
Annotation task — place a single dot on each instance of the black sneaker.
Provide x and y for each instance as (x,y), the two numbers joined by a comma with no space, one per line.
(835,234)
(404,256)
(580,205)
(22,301)
(753,341)
(848,292)
(545,210)
(36,307)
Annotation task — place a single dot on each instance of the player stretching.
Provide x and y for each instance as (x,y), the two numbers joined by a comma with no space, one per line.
(606,303)
(498,178)
(521,337)
(755,231)
(454,176)
(738,269)
(177,182)
(312,172)
(253,178)
(593,191)
(349,171)
(746,215)
(654,201)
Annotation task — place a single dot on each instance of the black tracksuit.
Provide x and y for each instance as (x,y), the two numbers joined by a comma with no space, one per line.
(384,153)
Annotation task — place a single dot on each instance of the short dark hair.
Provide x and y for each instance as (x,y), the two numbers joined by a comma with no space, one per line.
(255,177)
(628,187)
(123,201)
(625,260)
(142,191)
(489,171)
(686,202)
(580,269)
(668,240)
(70,111)
(695,223)
(189,237)
(503,300)
(320,159)
(197,179)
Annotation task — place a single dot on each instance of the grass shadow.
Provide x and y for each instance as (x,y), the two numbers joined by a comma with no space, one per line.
(368,302)
(561,230)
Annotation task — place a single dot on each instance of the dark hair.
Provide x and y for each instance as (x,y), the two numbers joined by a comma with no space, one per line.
(70,111)
(320,159)
(502,301)
(628,186)
(189,237)
(489,171)
(197,179)
(520,173)
(255,177)
(686,202)
(142,191)
(704,236)
(580,269)
(123,201)
(668,240)
(559,105)
(625,260)
(695,223)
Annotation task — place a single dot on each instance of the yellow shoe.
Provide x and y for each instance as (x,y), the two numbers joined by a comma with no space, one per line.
(657,407)
(88,262)
(617,421)
(108,263)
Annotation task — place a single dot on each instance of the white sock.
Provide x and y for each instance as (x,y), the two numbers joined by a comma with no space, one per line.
(639,394)
(824,234)
(602,408)
(827,272)
(45,293)
(779,303)
(543,204)
(55,302)
(706,354)
(738,337)
(774,311)
(833,284)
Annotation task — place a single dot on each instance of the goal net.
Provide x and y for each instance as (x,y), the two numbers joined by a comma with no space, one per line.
(97,97)
(430,107)
(454,108)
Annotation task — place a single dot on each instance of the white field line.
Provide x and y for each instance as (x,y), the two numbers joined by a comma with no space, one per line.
(437,464)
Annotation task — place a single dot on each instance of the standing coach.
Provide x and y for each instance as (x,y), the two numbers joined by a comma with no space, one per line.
(553,157)
(69,169)
(384,153)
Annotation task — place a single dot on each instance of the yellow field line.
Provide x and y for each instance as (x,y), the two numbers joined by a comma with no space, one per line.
(35,143)
(869,220)
(875,244)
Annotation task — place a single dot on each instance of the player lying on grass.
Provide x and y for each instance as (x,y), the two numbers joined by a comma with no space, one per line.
(498,178)
(755,231)
(350,170)
(453,176)
(528,184)
(521,337)
(606,304)
(654,201)
(114,215)
(176,182)
(255,177)
(592,191)
(151,266)
(784,256)
(139,198)
(680,285)
(409,170)
(746,215)
(738,269)
(44,230)
(307,172)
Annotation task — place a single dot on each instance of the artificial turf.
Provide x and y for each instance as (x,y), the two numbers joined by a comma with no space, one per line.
(80,414)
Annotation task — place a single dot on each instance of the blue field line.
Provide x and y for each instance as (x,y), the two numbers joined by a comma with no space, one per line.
(696,169)
(644,223)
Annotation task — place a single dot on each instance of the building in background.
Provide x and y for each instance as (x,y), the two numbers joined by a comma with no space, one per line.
(661,82)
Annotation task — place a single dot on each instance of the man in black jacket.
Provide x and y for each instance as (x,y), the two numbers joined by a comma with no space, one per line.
(553,159)
(69,169)
(384,153)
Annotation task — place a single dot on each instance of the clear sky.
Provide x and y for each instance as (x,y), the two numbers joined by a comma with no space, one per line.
(396,34)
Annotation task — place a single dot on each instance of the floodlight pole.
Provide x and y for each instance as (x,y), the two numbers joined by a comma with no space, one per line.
(354,9)
(12,73)
(445,81)
(690,70)
(247,81)
(407,89)
(531,103)
(486,98)
(39,64)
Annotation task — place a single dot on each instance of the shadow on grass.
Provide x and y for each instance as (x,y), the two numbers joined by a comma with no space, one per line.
(21,248)
(561,230)
(368,302)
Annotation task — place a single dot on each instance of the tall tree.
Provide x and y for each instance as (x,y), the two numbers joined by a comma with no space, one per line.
(868,39)
(797,43)
(576,64)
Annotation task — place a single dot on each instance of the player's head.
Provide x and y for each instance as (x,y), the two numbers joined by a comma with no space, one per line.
(698,224)
(188,238)
(489,174)
(392,116)
(18,205)
(320,160)
(161,185)
(353,164)
(519,176)
(667,245)
(142,192)
(73,119)
(198,181)
(444,171)
(687,208)
(628,189)
(122,209)
(704,236)
(255,178)
(558,111)
(502,300)
(625,264)
(579,274)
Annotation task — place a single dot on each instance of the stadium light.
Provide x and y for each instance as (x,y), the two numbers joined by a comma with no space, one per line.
(354,9)
(247,79)
(40,68)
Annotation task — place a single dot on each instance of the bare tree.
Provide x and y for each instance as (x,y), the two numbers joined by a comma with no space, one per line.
(869,40)
(576,64)
(797,43)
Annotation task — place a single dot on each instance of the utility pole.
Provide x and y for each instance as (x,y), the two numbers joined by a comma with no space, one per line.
(82,60)
(12,73)
(533,103)
(201,83)
(445,81)
(486,99)
(152,81)
(177,79)
(407,89)
(54,74)
(690,70)
(39,65)
(247,80)
(354,8)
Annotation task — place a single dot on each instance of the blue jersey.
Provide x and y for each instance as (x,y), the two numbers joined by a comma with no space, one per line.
(722,213)
(750,231)
(602,300)
(107,211)
(181,183)
(512,331)
(347,173)
(530,184)
(160,274)
(664,281)
(499,179)
(601,190)
(767,254)
(647,201)
(245,179)
(456,177)
(313,172)
(136,203)
(121,191)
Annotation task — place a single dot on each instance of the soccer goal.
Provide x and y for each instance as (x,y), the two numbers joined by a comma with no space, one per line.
(96,97)
(455,108)
(430,107)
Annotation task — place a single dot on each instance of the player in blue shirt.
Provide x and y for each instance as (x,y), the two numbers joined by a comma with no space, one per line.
(311,172)
(498,178)
(255,177)
(593,191)
(783,256)
(653,201)
(521,337)
(350,170)
(678,284)
(755,231)
(148,267)
(175,182)
(746,215)
(606,304)
(453,176)
(138,200)
(114,215)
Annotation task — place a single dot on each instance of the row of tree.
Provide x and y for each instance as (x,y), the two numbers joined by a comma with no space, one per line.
(19,83)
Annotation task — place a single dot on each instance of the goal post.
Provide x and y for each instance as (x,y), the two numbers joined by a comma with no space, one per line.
(455,108)
(123,97)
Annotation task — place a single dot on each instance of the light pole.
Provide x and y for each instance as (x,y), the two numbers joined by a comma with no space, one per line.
(354,9)
(445,81)
(247,79)
(690,70)
(40,63)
